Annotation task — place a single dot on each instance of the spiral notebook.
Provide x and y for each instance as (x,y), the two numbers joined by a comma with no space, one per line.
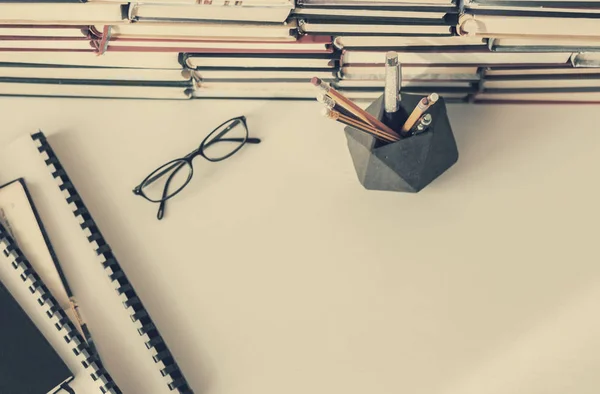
(136,349)
(27,249)
(138,313)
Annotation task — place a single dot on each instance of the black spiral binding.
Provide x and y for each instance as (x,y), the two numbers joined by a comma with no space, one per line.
(146,327)
(62,323)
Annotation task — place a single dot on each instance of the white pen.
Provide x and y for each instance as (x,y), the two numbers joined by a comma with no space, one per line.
(393,81)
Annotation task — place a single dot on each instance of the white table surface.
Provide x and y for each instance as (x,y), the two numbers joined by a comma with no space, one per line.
(276,272)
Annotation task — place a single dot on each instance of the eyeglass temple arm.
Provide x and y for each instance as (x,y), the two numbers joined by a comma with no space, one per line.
(161,207)
(247,140)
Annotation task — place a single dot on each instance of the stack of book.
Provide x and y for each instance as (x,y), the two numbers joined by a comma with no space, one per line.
(469,51)
(556,45)
(364,31)
(156,49)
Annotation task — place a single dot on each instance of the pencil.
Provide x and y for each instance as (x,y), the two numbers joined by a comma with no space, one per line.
(387,136)
(359,125)
(354,109)
(326,100)
(421,107)
(331,104)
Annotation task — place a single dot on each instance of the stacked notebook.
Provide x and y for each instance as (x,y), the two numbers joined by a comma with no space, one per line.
(40,212)
(564,37)
(32,273)
(467,51)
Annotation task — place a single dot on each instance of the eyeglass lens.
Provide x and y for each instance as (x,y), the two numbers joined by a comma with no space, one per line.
(225,140)
(167,180)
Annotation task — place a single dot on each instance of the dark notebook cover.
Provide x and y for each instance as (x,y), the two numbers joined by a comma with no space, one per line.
(28,364)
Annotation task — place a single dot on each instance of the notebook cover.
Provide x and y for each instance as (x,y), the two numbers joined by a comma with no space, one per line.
(146,328)
(29,364)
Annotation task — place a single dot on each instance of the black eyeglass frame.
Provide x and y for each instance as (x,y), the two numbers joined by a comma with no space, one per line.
(187,159)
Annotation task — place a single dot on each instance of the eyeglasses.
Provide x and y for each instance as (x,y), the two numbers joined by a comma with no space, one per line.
(169,179)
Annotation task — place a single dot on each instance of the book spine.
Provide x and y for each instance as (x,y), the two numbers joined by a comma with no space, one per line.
(146,328)
(56,314)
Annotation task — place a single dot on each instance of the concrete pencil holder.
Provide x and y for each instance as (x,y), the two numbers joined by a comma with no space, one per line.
(409,164)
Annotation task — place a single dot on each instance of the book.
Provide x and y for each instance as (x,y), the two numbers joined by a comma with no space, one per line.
(586,59)
(305,44)
(542,45)
(153,60)
(422,72)
(46,44)
(375,3)
(552,97)
(30,256)
(475,57)
(49,31)
(207,30)
(304,90)
(535,8)
(254,90)
(100,303)
(28,363)
(407,85)
(62,13)
(87,89)
(262,74)
(144,325)
(41,80)
(502,26)
(96,74)
(528,84)
(547,72)
(265,60)
(368,28)
(393,43)
(272,12)
(384,15)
